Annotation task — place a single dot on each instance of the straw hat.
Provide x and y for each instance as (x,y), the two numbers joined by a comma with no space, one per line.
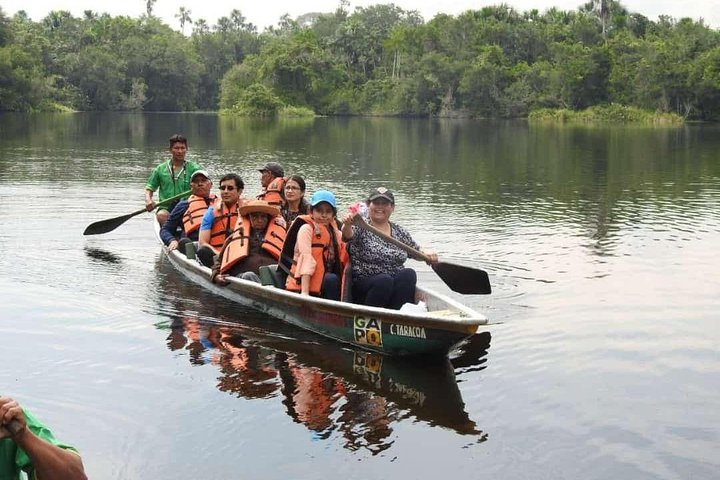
(258,206)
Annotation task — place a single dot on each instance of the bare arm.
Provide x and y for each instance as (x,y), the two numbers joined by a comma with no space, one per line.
(204,237)
(347,233)
(48,460)
(149,203)
(304,249)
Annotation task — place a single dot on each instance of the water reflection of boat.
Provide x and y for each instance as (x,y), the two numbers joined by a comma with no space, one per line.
(432,333)
(354,395)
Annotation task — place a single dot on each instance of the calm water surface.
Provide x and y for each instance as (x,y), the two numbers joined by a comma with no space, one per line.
(602,360)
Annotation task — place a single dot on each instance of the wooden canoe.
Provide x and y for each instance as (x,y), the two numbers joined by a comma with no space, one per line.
(436,332)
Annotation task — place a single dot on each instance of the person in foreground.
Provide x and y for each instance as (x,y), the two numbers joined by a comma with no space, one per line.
(295,203)
(272,181)
(188,213)
(170,178)
(379,276)
(256,241)
(318,252)
(218,222)
(26,445)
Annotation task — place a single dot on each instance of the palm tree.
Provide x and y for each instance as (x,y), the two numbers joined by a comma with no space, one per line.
(184,16)
(201,27)
(238,19)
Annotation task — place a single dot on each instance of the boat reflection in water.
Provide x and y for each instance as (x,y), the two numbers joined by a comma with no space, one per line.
(331,389)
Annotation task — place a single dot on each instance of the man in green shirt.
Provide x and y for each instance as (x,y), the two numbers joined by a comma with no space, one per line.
(26,445)
(171,177)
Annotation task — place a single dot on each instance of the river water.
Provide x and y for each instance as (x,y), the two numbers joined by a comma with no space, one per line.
(601,360)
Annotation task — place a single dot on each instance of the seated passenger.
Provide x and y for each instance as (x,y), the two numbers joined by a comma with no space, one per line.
(318,253)
(272,181)
(256,241)
(188,214)
(295,203)
(379,277)
(218,222)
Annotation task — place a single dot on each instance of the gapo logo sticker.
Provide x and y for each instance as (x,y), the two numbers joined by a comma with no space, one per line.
(368,331)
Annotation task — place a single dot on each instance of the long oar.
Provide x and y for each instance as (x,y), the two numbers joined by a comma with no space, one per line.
(104,226)
(459,278)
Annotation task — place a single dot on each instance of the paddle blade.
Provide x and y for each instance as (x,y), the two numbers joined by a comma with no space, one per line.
(104,226)
(462,279)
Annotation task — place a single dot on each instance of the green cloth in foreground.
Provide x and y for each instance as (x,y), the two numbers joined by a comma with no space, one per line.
(14,460)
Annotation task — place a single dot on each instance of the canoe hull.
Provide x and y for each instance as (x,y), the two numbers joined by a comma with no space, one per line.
(380,330)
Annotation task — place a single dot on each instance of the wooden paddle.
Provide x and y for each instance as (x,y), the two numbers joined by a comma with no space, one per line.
(104,226)
(459,278)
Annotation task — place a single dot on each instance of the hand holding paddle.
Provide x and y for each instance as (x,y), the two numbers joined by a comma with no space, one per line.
(459,278)
(104,226)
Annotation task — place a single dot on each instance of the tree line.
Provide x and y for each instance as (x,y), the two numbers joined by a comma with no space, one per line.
(376,60)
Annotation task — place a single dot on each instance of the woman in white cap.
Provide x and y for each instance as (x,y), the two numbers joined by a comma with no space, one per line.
(318,253)
(379,276)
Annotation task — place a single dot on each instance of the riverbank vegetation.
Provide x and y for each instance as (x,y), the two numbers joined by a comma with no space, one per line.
(611,114)
(376,60)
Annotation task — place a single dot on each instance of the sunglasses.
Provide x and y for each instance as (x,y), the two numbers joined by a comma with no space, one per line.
(229,188)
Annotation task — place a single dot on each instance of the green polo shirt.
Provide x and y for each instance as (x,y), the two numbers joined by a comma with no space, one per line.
(14,460)
(170,184)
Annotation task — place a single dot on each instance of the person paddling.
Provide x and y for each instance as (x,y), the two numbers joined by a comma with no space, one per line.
(379,276)
(170,178)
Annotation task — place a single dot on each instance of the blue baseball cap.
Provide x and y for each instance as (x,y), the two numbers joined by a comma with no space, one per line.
(323,196)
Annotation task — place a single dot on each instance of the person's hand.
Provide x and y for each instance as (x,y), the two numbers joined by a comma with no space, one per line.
(10,411)
(347,218)
(431,255)
(220,279)
(172,245)
(149,205)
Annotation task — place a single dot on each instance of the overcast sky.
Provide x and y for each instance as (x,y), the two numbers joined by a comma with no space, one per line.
(264,13)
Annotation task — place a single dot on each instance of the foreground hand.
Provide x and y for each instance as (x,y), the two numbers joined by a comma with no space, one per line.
(150,206)
(172,245)
(220,279)
(347,218)
(10,411)
(432,256)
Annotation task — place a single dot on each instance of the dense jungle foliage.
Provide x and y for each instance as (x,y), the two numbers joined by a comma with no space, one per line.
(379,60)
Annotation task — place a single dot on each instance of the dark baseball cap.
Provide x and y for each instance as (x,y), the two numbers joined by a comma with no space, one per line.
(381,192)
(274,168)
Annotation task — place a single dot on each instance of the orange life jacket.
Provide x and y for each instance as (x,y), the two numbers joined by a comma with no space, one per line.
(223,223)
(238,246)
(274,193)
(322,237)
(197,206)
